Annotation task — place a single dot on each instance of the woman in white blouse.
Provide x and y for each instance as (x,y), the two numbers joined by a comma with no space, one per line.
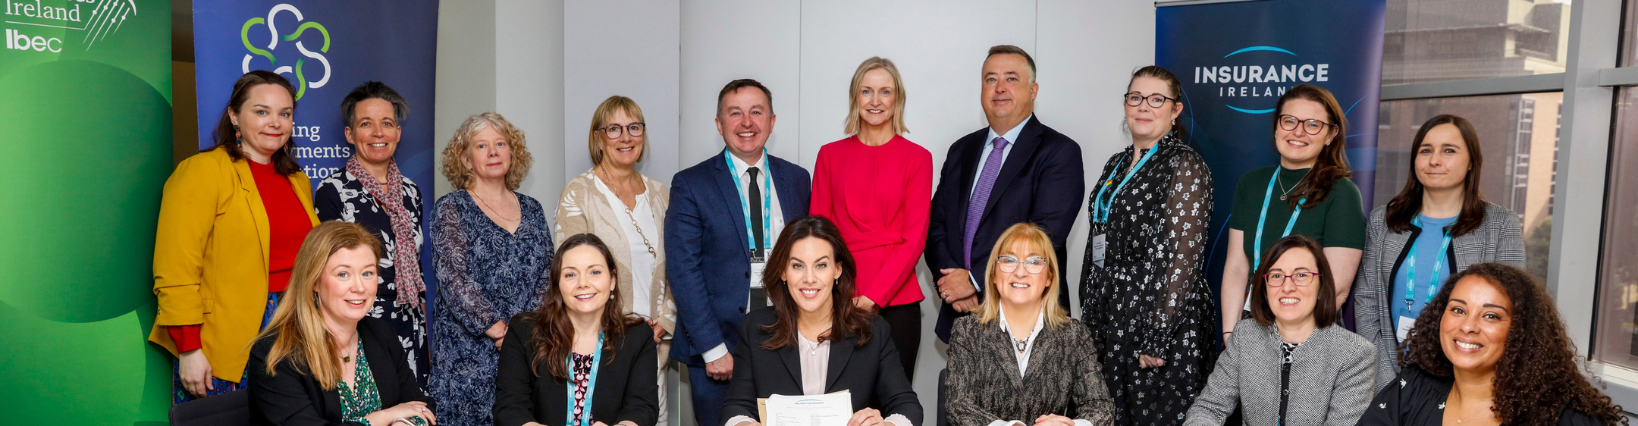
(626,210)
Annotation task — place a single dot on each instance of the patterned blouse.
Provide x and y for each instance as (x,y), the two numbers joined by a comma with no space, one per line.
(363,397)
(582,378)
(1150,297)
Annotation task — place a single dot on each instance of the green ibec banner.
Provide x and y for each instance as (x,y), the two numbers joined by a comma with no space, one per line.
(85,137)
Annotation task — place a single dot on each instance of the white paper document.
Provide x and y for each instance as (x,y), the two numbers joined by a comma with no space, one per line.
(832,409)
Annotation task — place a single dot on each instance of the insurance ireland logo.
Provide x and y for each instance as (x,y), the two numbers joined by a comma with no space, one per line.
(42,26)
(1250,80)
(318,36)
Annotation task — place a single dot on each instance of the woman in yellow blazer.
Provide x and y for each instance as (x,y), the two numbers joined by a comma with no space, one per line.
(230,223)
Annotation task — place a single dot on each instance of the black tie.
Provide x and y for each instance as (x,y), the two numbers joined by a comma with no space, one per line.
(755,200)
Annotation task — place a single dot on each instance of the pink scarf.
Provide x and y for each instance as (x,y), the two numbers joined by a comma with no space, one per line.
(391,199)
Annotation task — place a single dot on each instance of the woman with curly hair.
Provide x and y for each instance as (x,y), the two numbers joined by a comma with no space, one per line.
(1495,352)
(493,250)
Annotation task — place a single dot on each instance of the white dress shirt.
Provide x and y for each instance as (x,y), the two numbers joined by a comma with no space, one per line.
(642,263)
(776,222)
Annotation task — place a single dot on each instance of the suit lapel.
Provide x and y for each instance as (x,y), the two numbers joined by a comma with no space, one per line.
(968,161)
(786,190)
(730,199)
(1022,151)
(789,356)
(1003,342)
(1043,340)
(253,201)
(840,351)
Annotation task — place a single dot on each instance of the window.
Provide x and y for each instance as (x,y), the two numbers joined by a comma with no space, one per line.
(1617,325)
(1518,135)
(1447,40)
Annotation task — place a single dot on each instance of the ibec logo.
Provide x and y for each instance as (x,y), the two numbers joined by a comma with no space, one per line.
(16,40)
(302,82)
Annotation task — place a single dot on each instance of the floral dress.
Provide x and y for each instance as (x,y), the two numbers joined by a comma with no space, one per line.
(363,397)
(342,197)
(485,275)
(1150,297)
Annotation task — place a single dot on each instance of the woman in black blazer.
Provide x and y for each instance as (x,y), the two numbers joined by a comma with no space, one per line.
(319,358)
(574,362)
(808,343)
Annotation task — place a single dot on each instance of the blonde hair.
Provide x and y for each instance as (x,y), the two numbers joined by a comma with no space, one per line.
(462,177)
(297,326)
(600,118)
(1037,238)
(853,123)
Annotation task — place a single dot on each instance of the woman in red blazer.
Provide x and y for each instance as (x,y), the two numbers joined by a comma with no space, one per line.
(877,187)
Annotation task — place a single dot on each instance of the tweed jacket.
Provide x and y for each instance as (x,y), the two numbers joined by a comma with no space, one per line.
(1330,380)
(984,384)
(1499,239)
(583,209)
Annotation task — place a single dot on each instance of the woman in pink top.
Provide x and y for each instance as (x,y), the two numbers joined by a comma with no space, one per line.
(877,187)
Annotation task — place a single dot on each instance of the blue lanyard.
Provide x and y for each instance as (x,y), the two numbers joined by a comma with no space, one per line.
(1257,258)
(591,383)
(1101,208)
(767,203)
(1410,268)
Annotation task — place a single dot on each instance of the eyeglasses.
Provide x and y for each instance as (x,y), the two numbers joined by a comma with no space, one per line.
(613,130)
(1301,279)
(1155,100)
(1033,265)
(1312,126)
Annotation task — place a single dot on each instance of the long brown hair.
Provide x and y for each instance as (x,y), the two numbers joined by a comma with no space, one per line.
(297,326)
(226,135)
(1538,373)
(1325,304)
(1332,164)
(1405,206)
(554,334)
(844,318)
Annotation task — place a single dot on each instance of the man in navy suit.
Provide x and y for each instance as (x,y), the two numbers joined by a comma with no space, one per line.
(1016,170)
(725,214)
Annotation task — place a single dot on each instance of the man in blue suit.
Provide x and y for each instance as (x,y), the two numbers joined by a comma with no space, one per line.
(1016,170)
(725,214)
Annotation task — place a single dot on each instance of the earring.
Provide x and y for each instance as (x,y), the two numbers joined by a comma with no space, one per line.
(1174,121)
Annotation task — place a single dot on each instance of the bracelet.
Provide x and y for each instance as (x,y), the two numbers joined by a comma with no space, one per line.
(403,420)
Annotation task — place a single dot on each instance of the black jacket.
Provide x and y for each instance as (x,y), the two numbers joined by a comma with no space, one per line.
(626,387)
(1042,181)
(293,397)
(872,374)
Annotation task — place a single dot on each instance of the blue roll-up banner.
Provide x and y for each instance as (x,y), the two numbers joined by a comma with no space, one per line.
(1235,60)
(326,48)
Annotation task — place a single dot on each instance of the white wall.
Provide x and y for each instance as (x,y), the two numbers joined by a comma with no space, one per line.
(629,48)
(552,62)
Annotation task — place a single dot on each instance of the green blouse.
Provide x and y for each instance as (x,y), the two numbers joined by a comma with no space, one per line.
(1337,221)
(363,398)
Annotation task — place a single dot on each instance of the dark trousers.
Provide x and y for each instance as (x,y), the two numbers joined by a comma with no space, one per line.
(708,395)
(905,321)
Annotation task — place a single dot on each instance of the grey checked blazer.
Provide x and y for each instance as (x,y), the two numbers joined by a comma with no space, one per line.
(1330,379)
(1499,239)
(984,384)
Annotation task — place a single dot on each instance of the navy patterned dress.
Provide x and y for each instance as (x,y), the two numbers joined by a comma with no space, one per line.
(485,275)
(342,197)
(1150,295)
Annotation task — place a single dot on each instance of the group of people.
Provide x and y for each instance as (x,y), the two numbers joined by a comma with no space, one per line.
(315,301)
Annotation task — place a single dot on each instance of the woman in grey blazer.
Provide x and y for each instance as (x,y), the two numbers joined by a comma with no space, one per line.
(1291,363)
(1436,227)
(1020,361)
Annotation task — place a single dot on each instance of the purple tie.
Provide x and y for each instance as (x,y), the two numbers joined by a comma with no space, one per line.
(981,196)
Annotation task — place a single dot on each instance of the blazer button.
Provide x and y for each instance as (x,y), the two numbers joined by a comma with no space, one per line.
(742,309)
(747,275)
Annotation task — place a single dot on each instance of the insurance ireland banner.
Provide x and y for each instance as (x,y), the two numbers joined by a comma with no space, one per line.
(326,48)
(85,129)
(1235,59)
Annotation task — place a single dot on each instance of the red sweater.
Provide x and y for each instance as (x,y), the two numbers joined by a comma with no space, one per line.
(880,197)
(288,225)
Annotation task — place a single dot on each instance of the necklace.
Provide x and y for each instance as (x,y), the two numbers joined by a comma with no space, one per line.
(629,215)
(1463,417)
(1283,191)
(493,210)
(1021,344)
